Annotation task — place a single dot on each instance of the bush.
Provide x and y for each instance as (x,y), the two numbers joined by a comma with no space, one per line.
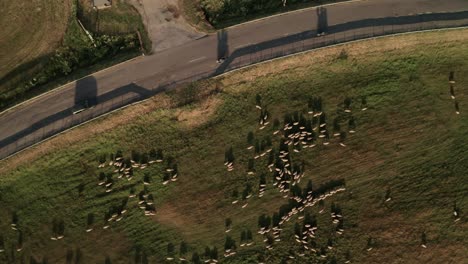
(221,11)
(67,59)
(186,95)
(343,55)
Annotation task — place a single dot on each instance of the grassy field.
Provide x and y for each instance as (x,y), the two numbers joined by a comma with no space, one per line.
(121,18)
(30,32)
(30,66)
(409,146)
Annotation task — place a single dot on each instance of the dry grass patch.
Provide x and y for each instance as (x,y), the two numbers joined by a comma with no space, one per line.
(193,215)
(373,50)
(194,15)
(30,31)
(192,118)
(84,132)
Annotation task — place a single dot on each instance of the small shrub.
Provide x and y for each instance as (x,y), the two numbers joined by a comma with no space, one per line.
(343,55)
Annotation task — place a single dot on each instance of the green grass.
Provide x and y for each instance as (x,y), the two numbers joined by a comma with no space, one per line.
(121,18)
(409,140)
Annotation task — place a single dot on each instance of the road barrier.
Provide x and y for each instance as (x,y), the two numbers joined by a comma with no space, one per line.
(239,58)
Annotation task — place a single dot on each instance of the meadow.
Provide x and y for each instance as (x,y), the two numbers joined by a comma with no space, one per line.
(369,129)
(38,29)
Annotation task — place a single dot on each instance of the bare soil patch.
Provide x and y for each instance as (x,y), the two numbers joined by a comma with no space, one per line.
(166,27)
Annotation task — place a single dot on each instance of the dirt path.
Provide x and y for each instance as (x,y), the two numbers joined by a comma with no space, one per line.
(166,26)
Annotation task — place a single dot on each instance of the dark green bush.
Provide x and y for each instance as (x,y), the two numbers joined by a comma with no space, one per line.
(67,59)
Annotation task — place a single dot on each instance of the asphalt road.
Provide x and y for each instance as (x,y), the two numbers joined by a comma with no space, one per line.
(240,45)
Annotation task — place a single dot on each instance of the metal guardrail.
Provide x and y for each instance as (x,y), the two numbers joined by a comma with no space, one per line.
(237,59)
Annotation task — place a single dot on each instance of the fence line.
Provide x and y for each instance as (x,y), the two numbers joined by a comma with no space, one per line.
(251,55)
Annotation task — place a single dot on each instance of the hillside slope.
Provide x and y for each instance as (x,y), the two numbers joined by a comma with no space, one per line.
(393,185)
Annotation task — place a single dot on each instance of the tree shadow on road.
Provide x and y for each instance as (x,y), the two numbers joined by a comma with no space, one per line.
(86,89)
(223,45)
(86,92)
(295,40)
(322,20)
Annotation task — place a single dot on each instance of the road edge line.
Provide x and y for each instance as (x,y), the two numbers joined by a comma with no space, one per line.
(291,12)
(57,89)
(229,72)
(73,127)
(339,44)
